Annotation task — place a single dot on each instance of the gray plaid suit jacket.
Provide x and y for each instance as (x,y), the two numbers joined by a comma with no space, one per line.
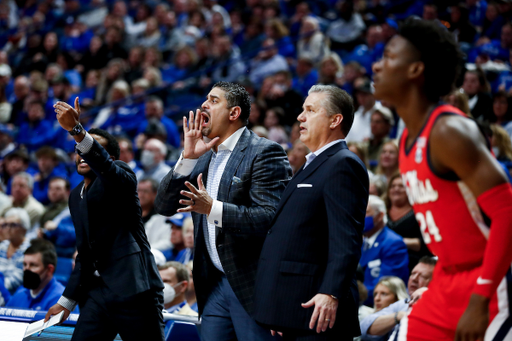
(250,188)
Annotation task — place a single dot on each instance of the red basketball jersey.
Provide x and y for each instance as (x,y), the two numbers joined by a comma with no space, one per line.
(450,220)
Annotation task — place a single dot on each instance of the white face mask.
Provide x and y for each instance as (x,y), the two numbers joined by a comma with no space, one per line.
(496,151)
(147,158)
(169,293)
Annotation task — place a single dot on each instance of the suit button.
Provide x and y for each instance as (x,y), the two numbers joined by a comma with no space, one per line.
(269,232)
(220,245)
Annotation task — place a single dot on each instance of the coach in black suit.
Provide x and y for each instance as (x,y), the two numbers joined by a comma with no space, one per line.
(305,284)
(115,280)
(244,176)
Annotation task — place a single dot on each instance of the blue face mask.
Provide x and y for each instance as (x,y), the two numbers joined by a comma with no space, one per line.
(368,224)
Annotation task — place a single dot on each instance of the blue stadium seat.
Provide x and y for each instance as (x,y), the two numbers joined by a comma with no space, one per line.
(181,331)
(63,270)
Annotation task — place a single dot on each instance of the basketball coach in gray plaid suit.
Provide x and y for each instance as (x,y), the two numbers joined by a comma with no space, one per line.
(231,181)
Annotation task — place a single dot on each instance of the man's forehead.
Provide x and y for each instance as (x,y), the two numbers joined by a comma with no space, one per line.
(101,140)
(34,258)
(217,92)
(314,99)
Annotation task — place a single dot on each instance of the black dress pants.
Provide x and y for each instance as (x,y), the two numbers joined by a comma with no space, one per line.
(104,314)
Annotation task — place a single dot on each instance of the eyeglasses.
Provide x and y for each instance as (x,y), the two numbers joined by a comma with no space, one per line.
(11,225)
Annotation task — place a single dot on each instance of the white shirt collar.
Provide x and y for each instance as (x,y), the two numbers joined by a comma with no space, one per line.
(371,240)
(230,142)
(324,148)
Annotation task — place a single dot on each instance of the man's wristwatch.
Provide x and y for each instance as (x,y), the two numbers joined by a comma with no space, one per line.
(76,130)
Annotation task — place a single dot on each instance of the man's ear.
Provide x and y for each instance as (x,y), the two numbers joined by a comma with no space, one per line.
(336,121)
(416,70)
(51,268)
(235,113)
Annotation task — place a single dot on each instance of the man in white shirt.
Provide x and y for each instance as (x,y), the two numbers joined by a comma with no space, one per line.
(231,181)
(361,129)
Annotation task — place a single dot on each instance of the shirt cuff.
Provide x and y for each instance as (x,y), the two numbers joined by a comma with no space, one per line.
(184,166)
(67,303)
(86,144)
(215,216)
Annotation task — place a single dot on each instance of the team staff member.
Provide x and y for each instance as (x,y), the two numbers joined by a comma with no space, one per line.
(115,279)
(308,263)
(238,180)
(456,188)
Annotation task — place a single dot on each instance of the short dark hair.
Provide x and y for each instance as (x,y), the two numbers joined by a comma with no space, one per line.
(67,184)
(439,53)
(128,142)
(428,260)
(45,248)
(47,151)
(112,145)
(153,182)
(338,101)
(237,96)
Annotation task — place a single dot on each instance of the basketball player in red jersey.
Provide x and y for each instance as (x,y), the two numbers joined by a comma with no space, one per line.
(459,193)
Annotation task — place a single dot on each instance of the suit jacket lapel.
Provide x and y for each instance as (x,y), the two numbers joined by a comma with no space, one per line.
(303,174)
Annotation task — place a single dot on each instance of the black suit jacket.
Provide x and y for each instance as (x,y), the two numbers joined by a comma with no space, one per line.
(110,235)
(250,188)
(314,244)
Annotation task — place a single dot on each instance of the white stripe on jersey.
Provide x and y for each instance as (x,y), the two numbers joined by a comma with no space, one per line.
(503,313)
(473,208)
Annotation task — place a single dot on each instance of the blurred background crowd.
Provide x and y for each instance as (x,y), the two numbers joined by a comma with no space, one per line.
(139,66)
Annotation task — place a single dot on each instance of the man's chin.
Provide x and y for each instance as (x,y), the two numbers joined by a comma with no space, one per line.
(86,173)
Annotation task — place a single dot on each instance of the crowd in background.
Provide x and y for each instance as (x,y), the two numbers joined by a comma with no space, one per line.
(139,66)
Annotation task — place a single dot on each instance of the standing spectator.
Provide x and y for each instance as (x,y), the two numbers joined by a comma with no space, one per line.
(477,88)
(266,63)
(156,226)
(401,220)
(312,43)
(22,187)
(12,249)
(153,160)
(40,289)
(381,122)
(384,251)
(361,130)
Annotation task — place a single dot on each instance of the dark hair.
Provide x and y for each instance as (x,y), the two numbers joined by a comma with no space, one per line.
(237,96)
(47,151)
(439,53)
(112,145)
(67,184)
(337,101)
(153,182)
(182,273)
(128,142)
(428,260)
(482,79)
(45,248)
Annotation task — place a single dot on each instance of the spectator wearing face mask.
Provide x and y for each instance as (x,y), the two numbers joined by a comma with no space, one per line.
(40,289)
(153,160)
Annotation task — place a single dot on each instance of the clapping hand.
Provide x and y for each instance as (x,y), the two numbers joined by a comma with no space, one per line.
(194,145)
(67,116)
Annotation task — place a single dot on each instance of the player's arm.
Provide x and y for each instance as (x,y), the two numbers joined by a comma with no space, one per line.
(456,144)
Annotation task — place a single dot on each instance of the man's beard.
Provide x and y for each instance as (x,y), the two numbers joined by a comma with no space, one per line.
(206,131)
(89,174)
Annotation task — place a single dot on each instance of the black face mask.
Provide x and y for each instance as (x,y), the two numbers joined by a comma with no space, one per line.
(31,280)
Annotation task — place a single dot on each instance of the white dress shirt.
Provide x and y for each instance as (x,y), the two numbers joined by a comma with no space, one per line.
(311,156)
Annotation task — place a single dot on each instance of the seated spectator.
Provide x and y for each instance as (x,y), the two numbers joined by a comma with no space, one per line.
(153,160)
(14,162)
(384,252)
(401,220)
(176,278)
(492,23)
(151,35)
(154,108)
(183,63)
(361,128)
(114,72)
(345,32)
(282,95)
(497,49)
(381,122)
(459,100)
(305,76)
(388,290)
(266,63)
(230,65)
(47,161)
(37,131)
(297,155)
(460,25)
(312,44)
(112,47)
(20,93)
(176,222)
(5,295)
(274,120)
(477,88)
(359,149)
(127,155)
(331,70)
(22,186)
(369,52)
(187,254)
(40,289)
(157,229)
(6,141)
(88,94)
(276,30)
(501,145)
(17,222)
(378,326)
(502,111)
(388,161)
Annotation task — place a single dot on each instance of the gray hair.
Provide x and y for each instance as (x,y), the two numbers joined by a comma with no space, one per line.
(395,285)
(378,205)
(28,178)
(21,214)
(337,101)
(157,100)
(160,145)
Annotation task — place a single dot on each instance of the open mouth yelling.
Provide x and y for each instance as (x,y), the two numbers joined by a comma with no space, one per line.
(82,164)
(206,118)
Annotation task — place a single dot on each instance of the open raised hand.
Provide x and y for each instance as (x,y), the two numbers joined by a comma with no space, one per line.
(67,116)
(194,145)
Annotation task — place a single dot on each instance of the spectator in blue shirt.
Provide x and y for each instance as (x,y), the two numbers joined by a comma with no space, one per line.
(477,9)
(47,162)
(367,54)
(498,49)
(154,108)
(276,30)
(305,76)
(384,252)
(40,289)
(37,131)
(176,223)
